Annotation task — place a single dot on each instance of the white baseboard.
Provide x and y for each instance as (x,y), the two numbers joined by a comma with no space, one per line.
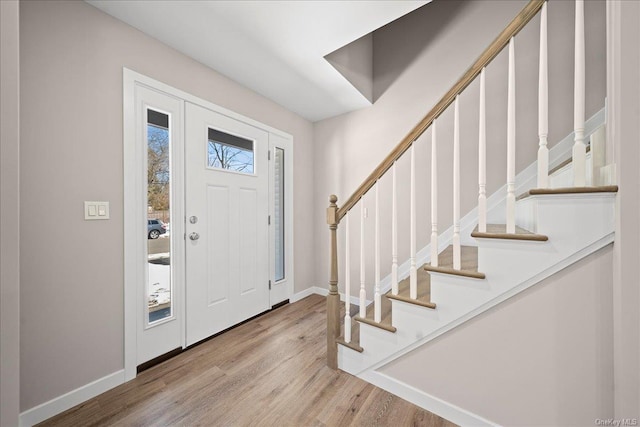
(426,401)
(68,400)
(309,291)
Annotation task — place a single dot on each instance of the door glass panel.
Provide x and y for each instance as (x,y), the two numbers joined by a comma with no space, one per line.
(159,286)
(226,151)
(279,212)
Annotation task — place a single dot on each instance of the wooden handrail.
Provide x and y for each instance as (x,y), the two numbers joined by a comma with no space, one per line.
(514,27)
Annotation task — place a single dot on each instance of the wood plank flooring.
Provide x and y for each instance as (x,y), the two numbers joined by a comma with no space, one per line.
(270,371)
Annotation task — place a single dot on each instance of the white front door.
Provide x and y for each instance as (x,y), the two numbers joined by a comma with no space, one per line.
(227,208)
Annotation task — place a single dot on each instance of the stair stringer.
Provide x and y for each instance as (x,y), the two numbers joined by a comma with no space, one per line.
(576,224)
(439,406)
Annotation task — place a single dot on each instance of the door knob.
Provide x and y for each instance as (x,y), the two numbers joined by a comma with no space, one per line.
(194,236)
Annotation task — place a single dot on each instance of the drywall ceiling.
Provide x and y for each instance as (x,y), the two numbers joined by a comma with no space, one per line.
(275,48)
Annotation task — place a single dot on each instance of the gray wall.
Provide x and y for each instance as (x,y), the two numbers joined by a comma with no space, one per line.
(72,56)
(355,62)
(417,58)
(544,357)
(9,214)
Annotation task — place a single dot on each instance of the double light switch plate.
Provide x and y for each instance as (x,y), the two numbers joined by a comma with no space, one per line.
(96,210)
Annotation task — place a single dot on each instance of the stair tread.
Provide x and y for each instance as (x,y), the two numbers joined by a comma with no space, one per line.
(468,263)
(410,300)
(352,345)
(569,190)
(355,324)
(382,325)
(423,288)
(499,231)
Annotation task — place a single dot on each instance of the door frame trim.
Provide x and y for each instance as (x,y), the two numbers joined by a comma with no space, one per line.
(132,194)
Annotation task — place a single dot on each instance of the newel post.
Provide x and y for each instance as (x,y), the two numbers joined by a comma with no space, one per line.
(333,299)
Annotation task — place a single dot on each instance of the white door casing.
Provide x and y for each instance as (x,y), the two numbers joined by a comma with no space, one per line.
(227,251)
(135,242)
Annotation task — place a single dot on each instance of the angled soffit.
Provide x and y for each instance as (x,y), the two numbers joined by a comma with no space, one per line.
(275,48)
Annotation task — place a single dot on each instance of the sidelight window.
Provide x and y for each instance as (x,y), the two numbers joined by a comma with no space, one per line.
(159,286)
(279,213)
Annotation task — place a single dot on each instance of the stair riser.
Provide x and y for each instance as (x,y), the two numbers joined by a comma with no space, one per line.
(377,344)
(456,293)
(575,220)
(415,322)
(514,261)
(351,361)
(526,214)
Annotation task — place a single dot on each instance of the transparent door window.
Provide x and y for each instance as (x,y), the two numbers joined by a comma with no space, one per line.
(159,286)
(279,213)
(230,152)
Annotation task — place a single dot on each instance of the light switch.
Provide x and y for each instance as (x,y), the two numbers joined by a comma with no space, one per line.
(96,210)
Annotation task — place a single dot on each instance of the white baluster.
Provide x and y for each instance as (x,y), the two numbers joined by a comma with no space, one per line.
(482,159)
(363,291)
(413,272)
(543,104)
(598,155)
(377,298)
(394,234)
(347,286)
(511,141)
(579,148)
(456,186)
(434,197)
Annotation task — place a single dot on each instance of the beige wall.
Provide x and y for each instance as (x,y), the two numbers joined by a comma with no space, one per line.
(417,58)
(72,59)
(543,357)
(625,100)
(72,56)
(9,214)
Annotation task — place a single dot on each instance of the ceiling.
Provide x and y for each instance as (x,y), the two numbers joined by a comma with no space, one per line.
(275,48)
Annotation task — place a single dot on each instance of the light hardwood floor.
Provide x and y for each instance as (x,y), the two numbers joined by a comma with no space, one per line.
(270,371)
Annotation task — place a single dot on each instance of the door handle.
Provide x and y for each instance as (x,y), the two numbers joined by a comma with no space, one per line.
(194,236)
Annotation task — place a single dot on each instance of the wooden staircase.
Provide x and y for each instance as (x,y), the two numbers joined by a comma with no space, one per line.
(517,242)
(598,230)
(469,269)
(469,263)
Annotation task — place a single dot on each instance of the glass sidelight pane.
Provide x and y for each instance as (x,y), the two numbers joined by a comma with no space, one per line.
(226,151)
(159,286)
(279,212)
